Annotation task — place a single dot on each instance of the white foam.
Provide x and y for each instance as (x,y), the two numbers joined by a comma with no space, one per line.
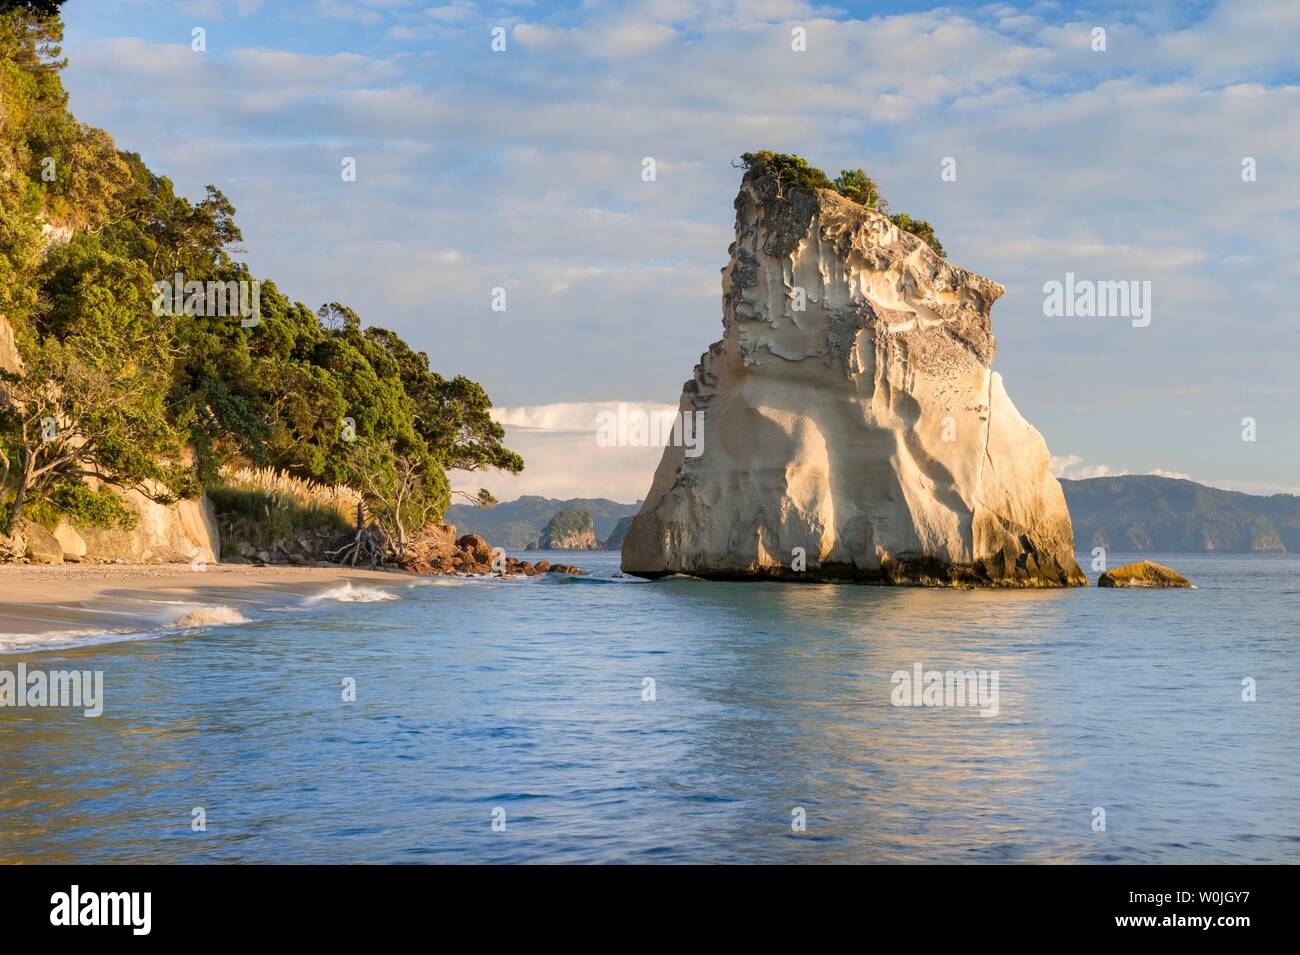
(209,616)
(62,639)
(349,594)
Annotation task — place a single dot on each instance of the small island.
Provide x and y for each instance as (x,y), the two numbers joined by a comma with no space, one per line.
(1143,573)
(569,530)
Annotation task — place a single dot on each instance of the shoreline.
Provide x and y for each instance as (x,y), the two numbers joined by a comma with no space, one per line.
(37,599)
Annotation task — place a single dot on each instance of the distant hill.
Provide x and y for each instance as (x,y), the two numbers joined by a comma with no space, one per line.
(615,539)
(1138,512)
(516,524)
(1148,513)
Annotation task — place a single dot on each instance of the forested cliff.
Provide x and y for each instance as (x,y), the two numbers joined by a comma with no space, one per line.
(111,381)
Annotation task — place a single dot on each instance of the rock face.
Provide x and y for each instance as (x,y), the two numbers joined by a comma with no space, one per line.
(1143,573)
(164,533)
(866,429)
(569,530)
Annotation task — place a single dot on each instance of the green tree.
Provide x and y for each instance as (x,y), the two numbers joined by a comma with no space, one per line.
(789,170)
(794,171)
(41,8)
(78,412)
(855,184)
(399,488)
(129,389)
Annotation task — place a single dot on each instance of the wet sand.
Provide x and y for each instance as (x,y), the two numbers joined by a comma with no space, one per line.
(38,599)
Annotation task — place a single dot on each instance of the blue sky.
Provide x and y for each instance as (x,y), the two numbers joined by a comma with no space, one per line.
(522,169)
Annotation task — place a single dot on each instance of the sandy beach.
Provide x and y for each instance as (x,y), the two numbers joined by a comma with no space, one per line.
(38,599)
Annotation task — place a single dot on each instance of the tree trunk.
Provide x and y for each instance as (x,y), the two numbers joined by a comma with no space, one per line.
(16,514)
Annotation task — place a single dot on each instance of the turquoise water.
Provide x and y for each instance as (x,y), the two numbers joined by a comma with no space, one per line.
(527,697)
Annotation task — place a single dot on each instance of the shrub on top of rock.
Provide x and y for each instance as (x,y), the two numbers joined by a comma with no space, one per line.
(790,171)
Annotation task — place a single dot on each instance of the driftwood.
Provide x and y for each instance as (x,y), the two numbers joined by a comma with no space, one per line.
(368,546)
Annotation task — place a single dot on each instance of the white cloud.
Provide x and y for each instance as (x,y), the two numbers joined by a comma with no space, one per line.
(1072,466)
(219,9)
(563,458)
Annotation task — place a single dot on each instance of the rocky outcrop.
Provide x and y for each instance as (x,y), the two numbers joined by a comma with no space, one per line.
(569,530)
(438,551)
(1143,573)
(852,427)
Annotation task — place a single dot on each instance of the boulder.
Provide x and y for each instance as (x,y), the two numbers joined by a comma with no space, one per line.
(73,544)
(848,426)
(477,547)
(1143,573)
(42,546)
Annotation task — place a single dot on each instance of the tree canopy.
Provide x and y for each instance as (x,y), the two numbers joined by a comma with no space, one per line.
(115,387)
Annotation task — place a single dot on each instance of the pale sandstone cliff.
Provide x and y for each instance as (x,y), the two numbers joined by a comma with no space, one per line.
(866,430)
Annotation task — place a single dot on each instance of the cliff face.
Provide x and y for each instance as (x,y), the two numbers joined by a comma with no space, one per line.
(865,432)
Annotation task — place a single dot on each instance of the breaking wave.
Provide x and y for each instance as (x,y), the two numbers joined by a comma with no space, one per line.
(209,616)
(350,594)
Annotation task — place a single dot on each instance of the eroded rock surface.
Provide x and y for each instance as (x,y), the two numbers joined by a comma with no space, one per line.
(866,432)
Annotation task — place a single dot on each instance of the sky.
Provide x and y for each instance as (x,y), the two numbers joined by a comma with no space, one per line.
(521,169)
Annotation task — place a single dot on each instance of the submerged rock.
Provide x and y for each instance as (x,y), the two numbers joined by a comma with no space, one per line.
(1143,573)
(851,425)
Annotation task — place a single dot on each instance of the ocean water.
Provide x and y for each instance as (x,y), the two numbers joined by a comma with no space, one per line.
(524,701)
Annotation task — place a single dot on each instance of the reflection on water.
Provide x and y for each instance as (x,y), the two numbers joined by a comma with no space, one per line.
(528,696)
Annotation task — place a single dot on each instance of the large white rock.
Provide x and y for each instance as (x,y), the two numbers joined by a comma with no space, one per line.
(867,431)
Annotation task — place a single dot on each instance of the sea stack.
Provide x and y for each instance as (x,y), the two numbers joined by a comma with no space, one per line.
(852,428)
(570,529)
